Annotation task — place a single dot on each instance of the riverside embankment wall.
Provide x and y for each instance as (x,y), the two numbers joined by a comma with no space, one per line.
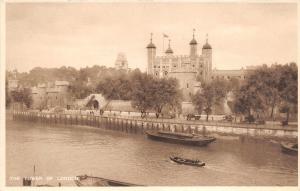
(141,125)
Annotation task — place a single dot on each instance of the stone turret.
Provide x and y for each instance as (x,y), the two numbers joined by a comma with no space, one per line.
(169,51)
(193,46)
(151,56)
(207,56)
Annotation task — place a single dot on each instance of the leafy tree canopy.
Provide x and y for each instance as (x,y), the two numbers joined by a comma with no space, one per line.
(211,94)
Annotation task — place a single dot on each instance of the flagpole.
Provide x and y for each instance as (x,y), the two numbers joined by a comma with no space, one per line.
(163,44)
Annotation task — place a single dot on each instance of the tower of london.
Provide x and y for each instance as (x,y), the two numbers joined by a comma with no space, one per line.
(188,69)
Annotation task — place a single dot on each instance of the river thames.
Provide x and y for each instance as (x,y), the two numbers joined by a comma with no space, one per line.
(63,151)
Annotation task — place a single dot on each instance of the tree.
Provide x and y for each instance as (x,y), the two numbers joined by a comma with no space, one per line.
(288,88)
(233,84)
(255,94)
(247,100)
(210,94)
(198,100)
(149,93)
(7,95)
(267,87)
(118,86)
(142,98)
(79,88)
(166,93)
(265,82)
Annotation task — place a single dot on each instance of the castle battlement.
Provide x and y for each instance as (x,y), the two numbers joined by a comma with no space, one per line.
(186,68)
(189,69)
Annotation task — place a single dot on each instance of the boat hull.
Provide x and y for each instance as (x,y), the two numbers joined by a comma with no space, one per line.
(84,180)
(194,142)
(200,164)
(287,148)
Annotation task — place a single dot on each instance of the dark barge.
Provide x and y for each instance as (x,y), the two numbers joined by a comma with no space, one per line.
(180,138)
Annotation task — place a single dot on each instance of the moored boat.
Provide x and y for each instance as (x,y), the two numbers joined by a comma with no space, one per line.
(289,148)
(190,162)
(85,180)
(180,138)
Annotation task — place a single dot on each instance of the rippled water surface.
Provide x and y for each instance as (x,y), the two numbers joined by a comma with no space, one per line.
(67,151)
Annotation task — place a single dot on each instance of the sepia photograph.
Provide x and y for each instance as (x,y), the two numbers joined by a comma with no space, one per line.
(150,93)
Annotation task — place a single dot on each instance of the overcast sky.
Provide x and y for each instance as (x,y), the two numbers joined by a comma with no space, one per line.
(86,34)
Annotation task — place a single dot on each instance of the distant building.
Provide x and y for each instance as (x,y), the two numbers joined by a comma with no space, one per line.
(13,83)
(51,95)
(188,69)
(229,74)
(121,62)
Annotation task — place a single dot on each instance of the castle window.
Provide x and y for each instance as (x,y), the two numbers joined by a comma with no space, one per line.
(163,66)
(154,66)
(166,73)
(228,77)
(156,73)
(193,65)
(187,85)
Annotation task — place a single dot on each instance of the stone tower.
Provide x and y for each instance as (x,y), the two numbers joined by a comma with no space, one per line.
(169,51)
(207,57)
(151,53)
(193,46)
(121,62)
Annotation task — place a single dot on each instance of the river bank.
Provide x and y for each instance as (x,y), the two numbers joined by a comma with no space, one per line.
(135,125)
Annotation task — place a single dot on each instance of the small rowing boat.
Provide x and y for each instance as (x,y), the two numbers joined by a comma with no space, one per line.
(289,148)
(85,180)
(180,138)
(190,162)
